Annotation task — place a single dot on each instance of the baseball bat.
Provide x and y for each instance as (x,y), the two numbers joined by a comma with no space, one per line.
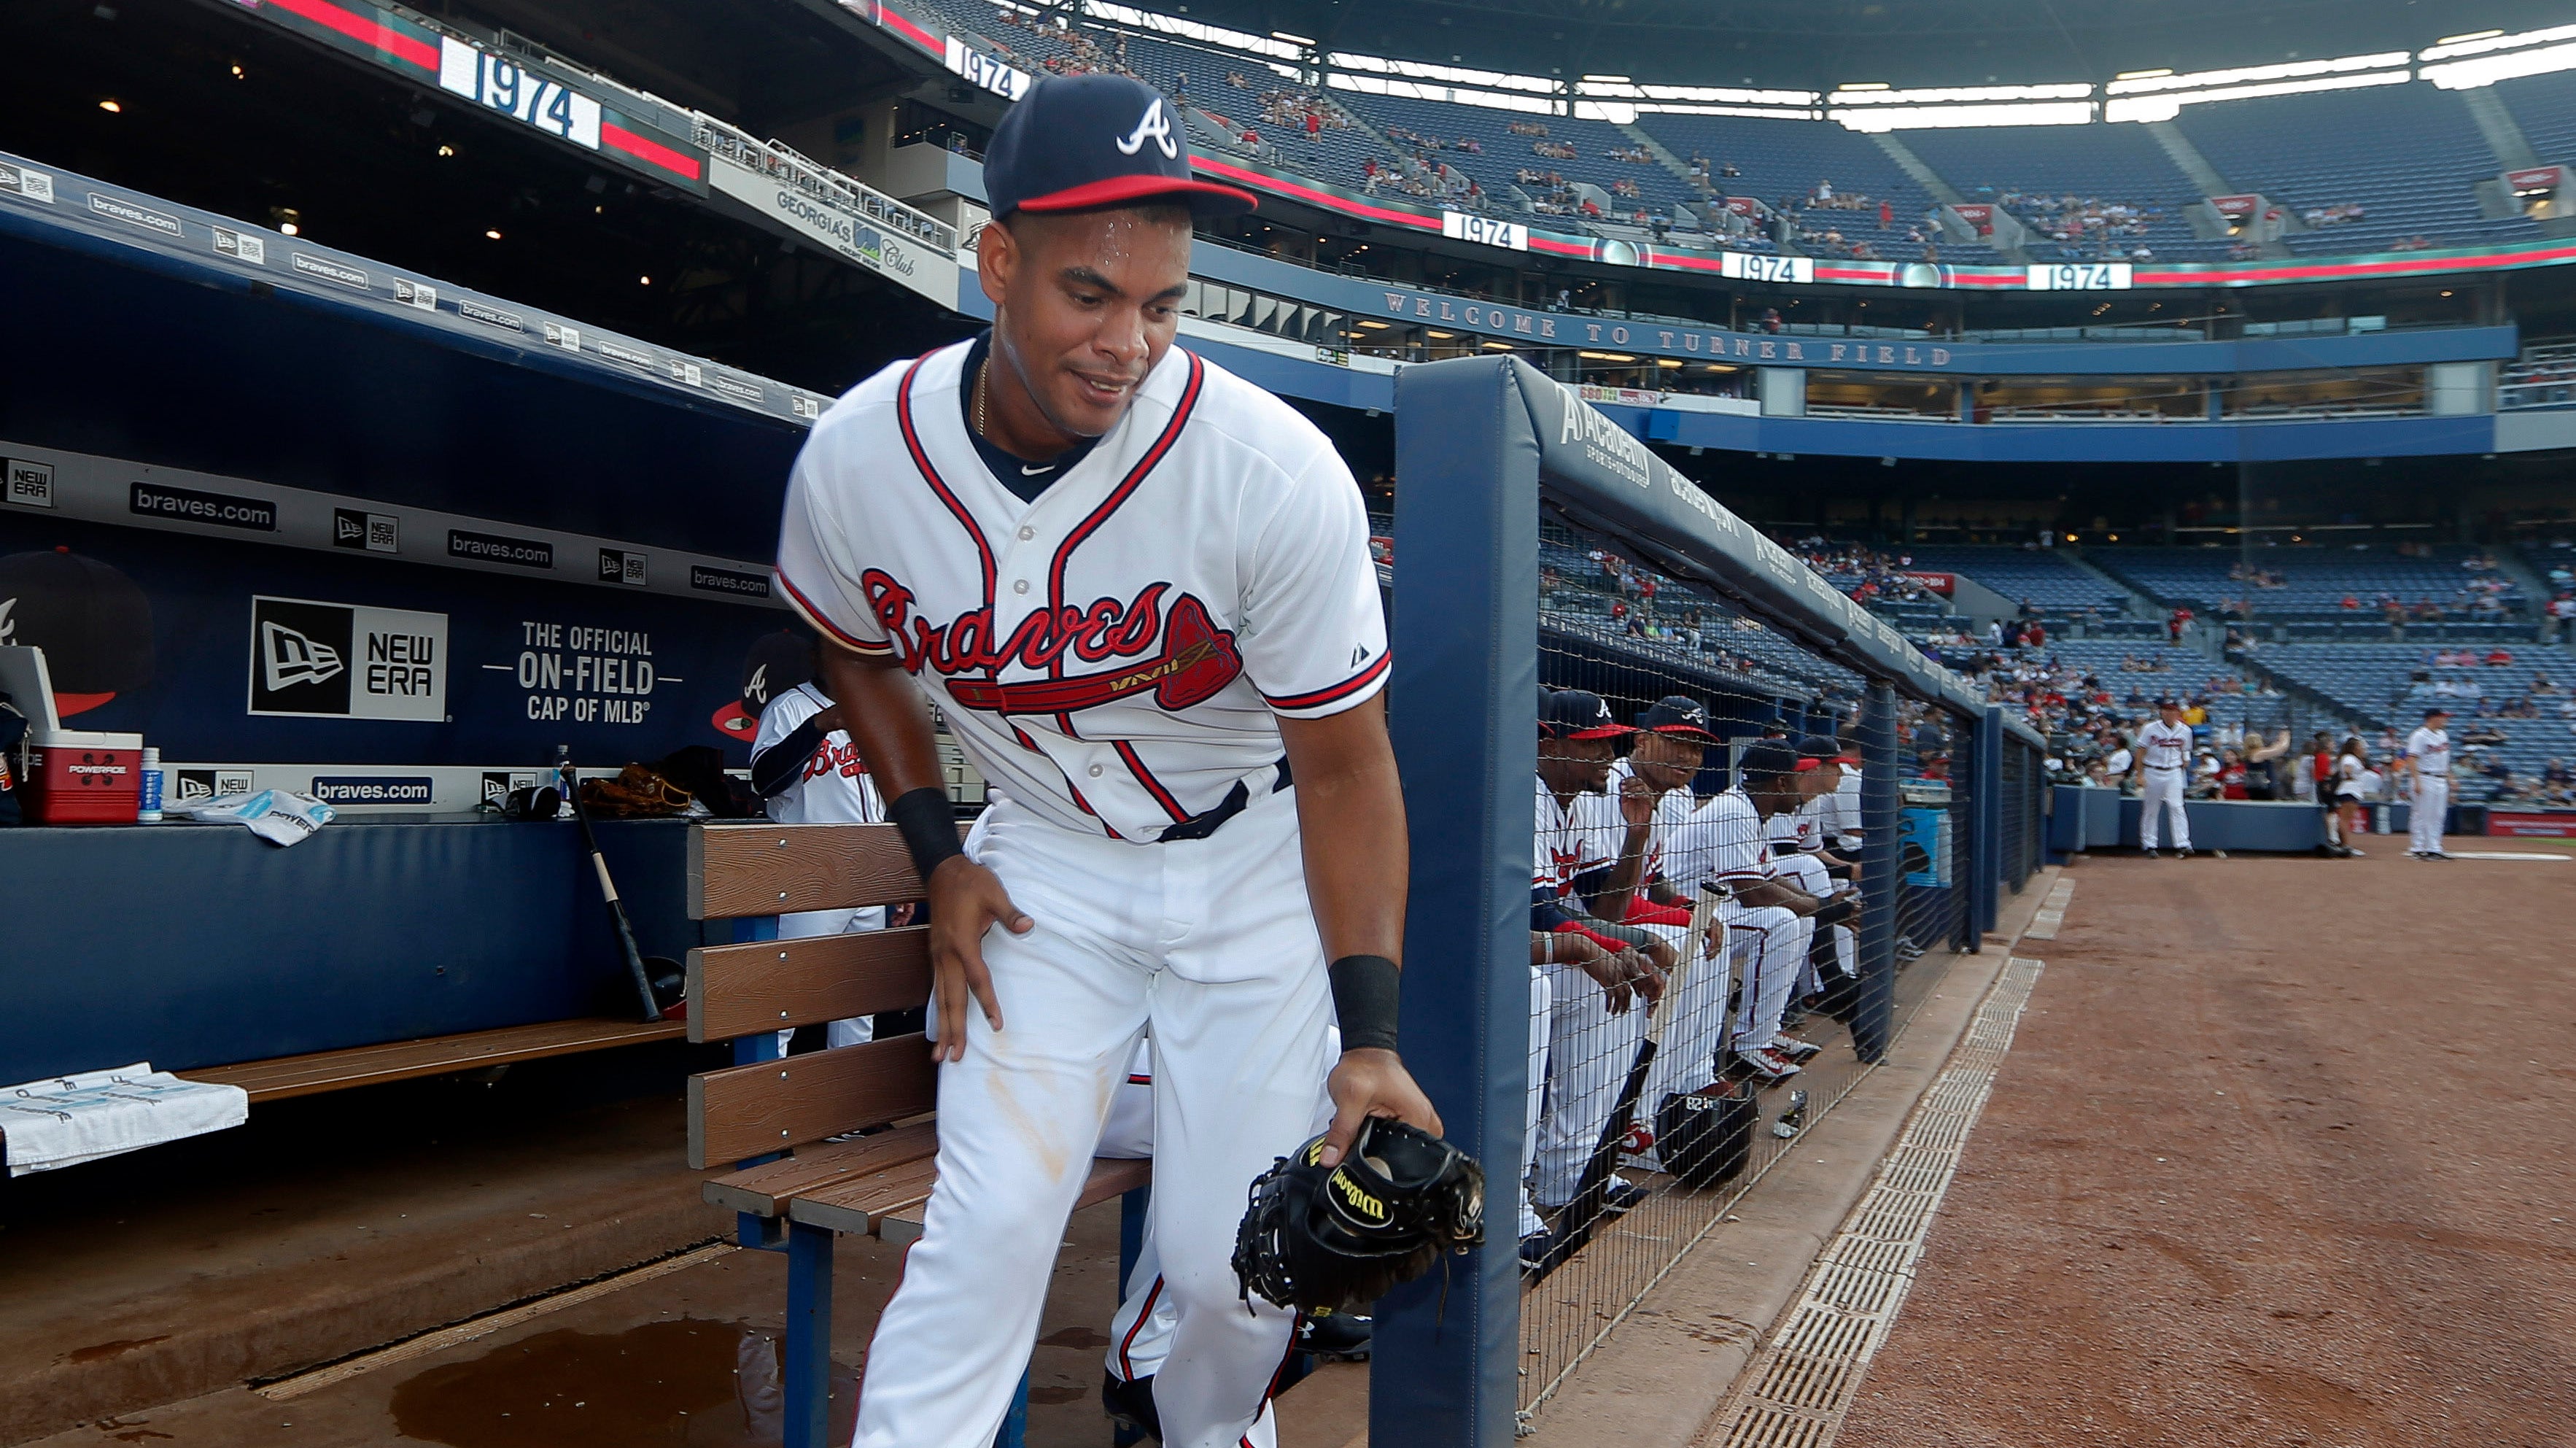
(608,888)
(1583,1213)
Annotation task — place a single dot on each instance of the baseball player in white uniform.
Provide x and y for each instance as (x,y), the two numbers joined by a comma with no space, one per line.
(1140,589)
(1768,919)
(807,772)
(2428,765)
(1589,851)
(2163,767)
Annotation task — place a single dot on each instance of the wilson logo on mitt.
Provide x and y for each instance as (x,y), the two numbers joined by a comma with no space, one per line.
(1336,1238)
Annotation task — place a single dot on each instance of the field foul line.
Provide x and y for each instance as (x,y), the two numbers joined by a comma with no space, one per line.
(472,1328)
(1800,1386)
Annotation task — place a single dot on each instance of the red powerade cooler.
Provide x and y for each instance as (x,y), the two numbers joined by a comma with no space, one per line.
(76,778)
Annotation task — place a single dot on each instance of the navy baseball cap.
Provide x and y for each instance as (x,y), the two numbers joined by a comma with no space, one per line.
(1817,750)
(1082,142)
(1680,715)
(1579,714)
(1766,759)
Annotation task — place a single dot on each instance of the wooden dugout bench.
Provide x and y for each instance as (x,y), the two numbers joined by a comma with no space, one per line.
(765,1122)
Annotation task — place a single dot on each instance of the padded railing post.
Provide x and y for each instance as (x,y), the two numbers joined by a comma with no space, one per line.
(1445,1369)
(1986,850)
(809,1337)
(1882,867)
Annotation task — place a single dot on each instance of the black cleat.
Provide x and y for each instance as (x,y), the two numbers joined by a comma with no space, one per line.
(1336,1337)
(2150,853)
(1130,1404)
(2183,854)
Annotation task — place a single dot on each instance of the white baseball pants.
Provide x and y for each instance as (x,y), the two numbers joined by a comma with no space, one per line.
(1140,1334)
(1777,939)
(1541,1000)
(804,924)
(2432,801)
(2162,790)
(1211,941)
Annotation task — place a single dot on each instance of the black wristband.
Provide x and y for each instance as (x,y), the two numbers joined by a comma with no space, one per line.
(1365,988)
(928,825)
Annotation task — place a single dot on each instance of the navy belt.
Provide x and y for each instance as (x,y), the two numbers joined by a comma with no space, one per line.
(1203,824)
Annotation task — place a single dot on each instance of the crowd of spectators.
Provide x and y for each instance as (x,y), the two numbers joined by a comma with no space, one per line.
(2335,215)
(2085,226)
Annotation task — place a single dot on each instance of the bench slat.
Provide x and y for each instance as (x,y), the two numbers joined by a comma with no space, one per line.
(760,985)
(850,1206)
(1110,1177)
(763,1191)
(767,869)
(770,1106)
(282,1077)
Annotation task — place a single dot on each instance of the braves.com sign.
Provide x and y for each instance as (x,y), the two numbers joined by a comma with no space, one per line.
(340,661)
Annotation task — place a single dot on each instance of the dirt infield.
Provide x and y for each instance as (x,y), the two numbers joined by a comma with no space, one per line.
(2284,1153)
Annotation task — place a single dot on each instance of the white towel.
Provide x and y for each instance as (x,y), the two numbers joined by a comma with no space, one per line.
(72,1119)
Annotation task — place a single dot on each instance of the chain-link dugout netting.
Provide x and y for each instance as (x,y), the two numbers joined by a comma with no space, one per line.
(1701,867)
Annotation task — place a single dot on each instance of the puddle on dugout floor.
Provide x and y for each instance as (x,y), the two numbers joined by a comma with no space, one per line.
(686,1383)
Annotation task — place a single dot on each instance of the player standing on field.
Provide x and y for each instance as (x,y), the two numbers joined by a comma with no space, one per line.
(2428,765)
(2164,764)
(1140,589)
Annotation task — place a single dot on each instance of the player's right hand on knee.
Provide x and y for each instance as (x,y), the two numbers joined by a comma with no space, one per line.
(966,900)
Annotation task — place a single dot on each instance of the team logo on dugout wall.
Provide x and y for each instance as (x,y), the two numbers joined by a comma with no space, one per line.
(342,661)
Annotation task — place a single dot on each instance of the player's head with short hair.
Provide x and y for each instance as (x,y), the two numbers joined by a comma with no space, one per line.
(2433,718)
(1089,255)
(1672,742)
(1768,771)
(2169,706)
(1820,766)
(1578,737)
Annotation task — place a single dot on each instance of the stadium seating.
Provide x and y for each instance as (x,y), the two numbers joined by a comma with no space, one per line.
(2545,107)
(1782,161)
(2050,582)
(2029,169)
(2314,581)
(2391,684)
(2409,154)
(1506,153)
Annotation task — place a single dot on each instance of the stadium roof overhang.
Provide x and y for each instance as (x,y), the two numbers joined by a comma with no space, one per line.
(1819,44)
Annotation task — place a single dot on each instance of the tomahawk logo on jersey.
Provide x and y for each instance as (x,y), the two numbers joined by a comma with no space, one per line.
(1112,655)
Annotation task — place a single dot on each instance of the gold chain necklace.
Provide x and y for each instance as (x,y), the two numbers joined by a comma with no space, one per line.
(981,373)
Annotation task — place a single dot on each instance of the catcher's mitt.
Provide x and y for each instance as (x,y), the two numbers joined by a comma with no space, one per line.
(1336,1238)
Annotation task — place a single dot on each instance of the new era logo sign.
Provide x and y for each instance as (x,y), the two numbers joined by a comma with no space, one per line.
(374,532)
(617,565)
(342,661)
(30,485)
(288,659)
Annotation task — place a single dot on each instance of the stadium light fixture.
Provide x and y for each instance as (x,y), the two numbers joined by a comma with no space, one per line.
(2473,35)
(2529,54)
(2142,74)
(1291,39)
(2165,108)
(1606,356)
(2242,75)
(491,235)
(1904,118)
(1860,85)
(111,107)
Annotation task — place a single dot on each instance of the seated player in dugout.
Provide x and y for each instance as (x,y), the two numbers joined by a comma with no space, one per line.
(1664,756)
(1139,589)
(1597,846)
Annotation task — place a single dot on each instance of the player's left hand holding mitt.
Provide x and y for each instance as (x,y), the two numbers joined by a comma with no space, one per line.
(1338,1237)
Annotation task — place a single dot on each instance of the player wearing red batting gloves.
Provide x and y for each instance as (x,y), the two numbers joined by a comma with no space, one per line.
(1140,590)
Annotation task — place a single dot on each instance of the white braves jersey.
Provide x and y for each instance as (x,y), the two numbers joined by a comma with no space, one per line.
(1842,810)
(2165,746)
(1723,841)
(833,788)
(1672,811)
(1796,831)
(1573,839)
(2431,751)
(1114,655)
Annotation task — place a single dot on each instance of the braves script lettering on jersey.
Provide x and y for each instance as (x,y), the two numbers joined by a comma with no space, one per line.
(2165,746)
(1113,654)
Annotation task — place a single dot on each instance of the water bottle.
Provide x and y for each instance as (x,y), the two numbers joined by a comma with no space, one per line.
(149,810)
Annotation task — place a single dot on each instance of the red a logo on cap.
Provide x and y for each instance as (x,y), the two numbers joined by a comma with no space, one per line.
(1156,126)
